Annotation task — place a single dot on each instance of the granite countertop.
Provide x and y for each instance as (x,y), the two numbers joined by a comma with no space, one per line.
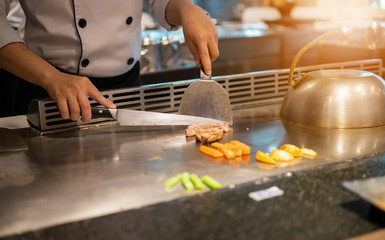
(314,206)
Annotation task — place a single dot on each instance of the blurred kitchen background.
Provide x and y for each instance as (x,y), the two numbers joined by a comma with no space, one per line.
(257,35)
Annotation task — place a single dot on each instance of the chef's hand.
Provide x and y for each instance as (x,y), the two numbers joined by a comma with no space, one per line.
(200,33)
(70,91)
(201,37)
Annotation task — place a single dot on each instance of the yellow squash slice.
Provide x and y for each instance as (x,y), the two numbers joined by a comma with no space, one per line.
(281,155)
(264,157)
(292,149)
(307,152)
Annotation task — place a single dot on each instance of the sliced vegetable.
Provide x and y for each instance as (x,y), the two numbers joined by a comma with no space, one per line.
(230,150)
(171,182)
(264,157)
(229,154)
(307,152)
(237,151)
(292,149)
(210,182)
(281,155)
(245,148)
(188,185)
(218,145)
(196,181)
(210,151)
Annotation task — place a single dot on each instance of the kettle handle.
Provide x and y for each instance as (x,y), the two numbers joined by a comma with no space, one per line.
(292,82)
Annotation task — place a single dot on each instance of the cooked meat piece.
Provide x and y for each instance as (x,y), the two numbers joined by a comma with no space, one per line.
(208,132)
(226,128)
(190,128)
(190,131)
(208,135)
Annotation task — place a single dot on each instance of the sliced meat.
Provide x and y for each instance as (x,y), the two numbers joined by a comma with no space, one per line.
(208,135)
(190,132)
(208,132)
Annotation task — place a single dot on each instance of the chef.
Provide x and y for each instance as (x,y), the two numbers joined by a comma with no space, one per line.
(69,50)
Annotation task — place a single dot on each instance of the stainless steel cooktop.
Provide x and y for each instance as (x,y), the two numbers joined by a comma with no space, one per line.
(100,169)
(82,174)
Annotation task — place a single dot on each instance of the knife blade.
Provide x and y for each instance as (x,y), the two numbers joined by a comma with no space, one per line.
(127,117)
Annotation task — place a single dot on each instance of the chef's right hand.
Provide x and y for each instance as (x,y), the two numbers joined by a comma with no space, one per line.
(71,93)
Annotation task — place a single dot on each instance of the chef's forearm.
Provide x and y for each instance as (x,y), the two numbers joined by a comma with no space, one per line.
(16,58)
(176,9)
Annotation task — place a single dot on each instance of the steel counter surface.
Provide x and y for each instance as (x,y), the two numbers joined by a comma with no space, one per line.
(77,175)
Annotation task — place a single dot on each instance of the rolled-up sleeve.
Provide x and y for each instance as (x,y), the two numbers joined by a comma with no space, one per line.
(158,9)
(7,33)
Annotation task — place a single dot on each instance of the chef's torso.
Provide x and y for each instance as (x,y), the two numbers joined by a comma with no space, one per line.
(96,38)
(88,37)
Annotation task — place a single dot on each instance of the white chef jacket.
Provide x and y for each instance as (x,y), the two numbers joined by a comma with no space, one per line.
(95,38)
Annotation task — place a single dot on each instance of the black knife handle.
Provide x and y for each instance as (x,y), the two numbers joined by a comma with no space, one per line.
(98,112)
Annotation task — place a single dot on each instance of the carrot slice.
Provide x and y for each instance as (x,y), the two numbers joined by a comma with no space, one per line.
(263,157)
(229,145)
(210,151)
(229,154)
(237,151)
(217,145)
(245,148)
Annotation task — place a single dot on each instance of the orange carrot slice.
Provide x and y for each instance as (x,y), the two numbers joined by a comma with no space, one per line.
(217,145)
(245,148)
(229,154)
(237,151)
(210,151)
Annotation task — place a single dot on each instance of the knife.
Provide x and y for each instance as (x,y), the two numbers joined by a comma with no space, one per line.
(127,117)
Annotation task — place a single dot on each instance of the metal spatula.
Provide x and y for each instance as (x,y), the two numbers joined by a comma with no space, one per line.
(206,98)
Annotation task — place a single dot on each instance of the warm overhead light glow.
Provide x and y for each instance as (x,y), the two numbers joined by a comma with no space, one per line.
(351,13)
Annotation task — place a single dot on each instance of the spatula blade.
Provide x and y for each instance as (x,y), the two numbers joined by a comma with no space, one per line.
(206,98)
(11,141)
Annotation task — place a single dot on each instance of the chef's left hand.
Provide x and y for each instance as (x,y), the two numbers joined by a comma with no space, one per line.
(200,33)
